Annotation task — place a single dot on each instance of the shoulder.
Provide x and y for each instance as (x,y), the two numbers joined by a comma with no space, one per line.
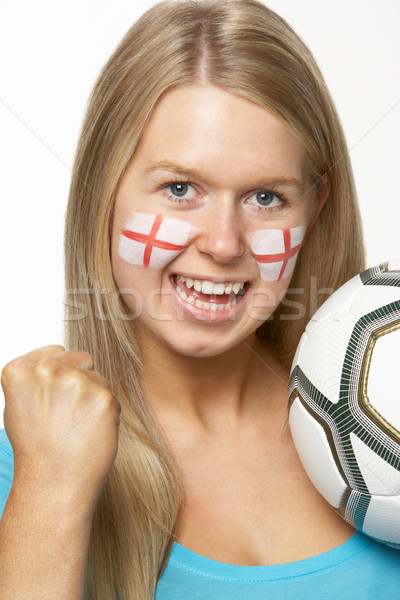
(6,468)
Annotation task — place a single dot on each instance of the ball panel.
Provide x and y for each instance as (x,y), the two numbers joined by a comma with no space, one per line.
(320,466)
(380,477)
(382,520)
(336,429)
(323,353)
(372,298)
(382,387)
(355,372)
(338,302)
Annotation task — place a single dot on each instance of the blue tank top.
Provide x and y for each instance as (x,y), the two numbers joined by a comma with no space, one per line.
(359,569)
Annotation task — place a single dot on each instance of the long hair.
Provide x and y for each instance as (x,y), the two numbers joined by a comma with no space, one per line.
(243,47)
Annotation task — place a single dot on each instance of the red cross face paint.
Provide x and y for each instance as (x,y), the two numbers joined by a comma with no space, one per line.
(275,251)
(153,240)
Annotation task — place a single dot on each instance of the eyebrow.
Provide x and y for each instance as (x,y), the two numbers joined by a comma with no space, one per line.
(195,174)
(167,166)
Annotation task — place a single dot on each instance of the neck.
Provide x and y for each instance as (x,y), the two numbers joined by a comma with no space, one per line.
(201,389)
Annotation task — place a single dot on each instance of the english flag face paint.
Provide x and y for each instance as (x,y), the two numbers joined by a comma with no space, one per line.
(275,251)
(153,240)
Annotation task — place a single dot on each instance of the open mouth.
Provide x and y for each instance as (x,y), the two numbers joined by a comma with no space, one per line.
(206,294)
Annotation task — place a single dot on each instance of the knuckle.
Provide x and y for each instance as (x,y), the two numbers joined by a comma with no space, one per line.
(55,348)
(78,380)
(73,382)
(47,367)
(109,403)
(106,399)
(11,371)
(86,356)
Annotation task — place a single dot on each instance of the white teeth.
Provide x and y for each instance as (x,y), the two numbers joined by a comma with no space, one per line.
(207,287)
(236,287)
(219,289)
(212,306)
(228,288)
(210,288)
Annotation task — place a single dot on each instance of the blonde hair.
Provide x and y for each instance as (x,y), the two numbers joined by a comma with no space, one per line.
(245,48)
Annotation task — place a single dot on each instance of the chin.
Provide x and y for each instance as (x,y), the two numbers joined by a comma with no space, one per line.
(201,346)
(203,352)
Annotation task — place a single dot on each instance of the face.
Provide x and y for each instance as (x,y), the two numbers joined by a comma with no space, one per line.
(208,220)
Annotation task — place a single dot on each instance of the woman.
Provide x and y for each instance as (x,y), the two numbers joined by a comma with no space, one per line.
(211,175)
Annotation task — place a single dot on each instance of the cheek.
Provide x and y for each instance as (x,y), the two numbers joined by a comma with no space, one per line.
(276,250)
(153,240)
(266,297)
(138,288)
(130,280)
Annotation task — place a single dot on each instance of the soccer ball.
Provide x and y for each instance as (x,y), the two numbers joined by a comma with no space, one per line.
(344,402)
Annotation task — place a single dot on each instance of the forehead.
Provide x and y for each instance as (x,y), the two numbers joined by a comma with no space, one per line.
(212,130)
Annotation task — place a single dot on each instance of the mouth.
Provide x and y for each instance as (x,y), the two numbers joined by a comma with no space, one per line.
(209,295)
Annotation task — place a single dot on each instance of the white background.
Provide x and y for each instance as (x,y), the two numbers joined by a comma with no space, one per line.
(51,53)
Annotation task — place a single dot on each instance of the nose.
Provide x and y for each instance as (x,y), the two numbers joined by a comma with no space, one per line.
(222,232)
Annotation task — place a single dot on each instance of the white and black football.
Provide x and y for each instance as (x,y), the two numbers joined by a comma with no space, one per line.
(345,401)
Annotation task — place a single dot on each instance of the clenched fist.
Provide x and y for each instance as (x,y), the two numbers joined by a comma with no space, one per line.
(62,422)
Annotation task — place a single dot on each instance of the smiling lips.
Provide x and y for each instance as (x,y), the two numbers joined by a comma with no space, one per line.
(208,295)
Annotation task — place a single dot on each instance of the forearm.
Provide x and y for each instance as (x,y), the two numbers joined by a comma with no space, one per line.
(62,422)
(43,547)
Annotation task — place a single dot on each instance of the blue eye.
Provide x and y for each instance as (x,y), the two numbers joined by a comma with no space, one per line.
(181,189)
(265,199)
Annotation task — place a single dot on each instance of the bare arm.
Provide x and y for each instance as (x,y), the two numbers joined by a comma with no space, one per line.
(43,546)
(62,423)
